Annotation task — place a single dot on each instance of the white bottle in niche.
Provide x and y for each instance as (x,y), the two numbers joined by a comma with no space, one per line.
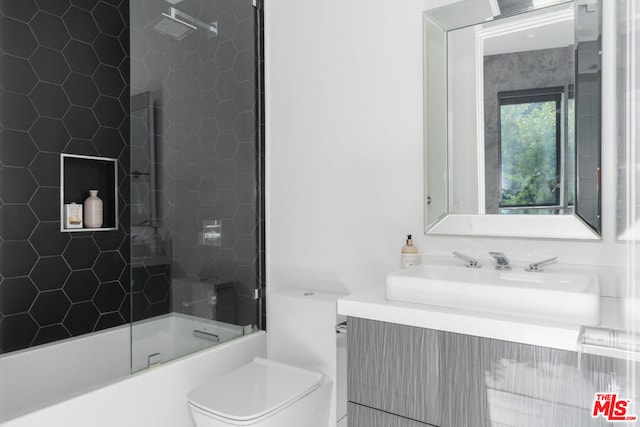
(409,254)
(93,210)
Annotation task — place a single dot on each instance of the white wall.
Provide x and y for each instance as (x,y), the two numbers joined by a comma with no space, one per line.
(344,148)
(344,138)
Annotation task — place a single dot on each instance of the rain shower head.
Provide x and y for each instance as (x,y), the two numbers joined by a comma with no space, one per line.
(173,27)
(179,25)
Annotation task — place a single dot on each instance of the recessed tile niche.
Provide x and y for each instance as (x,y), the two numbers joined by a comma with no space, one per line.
(78,175)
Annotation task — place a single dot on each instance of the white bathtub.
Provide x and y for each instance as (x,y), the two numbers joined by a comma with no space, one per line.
(34,378)
(174,335)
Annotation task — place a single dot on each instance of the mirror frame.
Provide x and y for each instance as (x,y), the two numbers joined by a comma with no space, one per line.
(442,222)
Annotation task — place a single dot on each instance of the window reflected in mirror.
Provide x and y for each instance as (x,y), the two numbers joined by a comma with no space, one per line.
(532,149)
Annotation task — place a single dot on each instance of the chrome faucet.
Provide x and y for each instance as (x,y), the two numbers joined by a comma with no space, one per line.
(468,261)
(535,267)
(502,262)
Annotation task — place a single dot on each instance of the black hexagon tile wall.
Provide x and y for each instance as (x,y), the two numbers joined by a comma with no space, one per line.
(63,68)
(67,72)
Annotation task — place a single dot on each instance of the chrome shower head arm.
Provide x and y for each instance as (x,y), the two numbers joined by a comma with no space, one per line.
(211,28)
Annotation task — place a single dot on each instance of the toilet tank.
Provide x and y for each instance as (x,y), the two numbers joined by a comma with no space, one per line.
(301,331)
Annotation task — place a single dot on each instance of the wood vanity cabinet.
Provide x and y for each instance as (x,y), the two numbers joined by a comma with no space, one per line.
(394,369)
(405,376)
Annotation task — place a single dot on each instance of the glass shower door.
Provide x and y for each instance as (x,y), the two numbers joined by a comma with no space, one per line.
(195,175)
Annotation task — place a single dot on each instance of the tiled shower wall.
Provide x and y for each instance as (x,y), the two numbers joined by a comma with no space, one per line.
(64,69)
(205,110)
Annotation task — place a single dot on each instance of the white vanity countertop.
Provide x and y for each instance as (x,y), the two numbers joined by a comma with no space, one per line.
(373,305)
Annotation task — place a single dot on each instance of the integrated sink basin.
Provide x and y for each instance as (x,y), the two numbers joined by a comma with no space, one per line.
(553,297)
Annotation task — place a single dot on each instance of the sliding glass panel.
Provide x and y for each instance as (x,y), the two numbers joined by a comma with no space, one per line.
(195,179)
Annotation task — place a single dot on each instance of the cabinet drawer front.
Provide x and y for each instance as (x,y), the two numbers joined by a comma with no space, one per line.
(394,368)
(361,416)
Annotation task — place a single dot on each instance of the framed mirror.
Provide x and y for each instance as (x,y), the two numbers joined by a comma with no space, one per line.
(512,118)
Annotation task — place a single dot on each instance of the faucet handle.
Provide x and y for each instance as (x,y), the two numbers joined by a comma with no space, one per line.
(468,261)
(535,267)
(502,262)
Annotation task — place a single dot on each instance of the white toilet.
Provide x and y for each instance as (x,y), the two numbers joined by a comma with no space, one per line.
(262,393)
(297,386)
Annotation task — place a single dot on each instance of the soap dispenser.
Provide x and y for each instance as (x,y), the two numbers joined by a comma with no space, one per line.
(409,254)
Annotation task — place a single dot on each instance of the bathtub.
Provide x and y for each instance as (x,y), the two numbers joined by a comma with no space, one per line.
(34,378)
(174,335)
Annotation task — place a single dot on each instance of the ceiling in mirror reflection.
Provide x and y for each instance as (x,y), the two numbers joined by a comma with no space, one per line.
(514,7)
(464,13)
(544,34)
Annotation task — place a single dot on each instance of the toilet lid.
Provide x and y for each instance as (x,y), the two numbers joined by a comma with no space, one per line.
(254,390)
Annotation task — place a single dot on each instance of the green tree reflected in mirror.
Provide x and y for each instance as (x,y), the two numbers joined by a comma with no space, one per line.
(532,149)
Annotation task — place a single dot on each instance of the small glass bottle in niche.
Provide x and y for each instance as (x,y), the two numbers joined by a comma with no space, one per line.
(93,209)
(73,215)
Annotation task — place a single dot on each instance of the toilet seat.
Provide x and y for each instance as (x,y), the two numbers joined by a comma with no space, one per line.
(253,392)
